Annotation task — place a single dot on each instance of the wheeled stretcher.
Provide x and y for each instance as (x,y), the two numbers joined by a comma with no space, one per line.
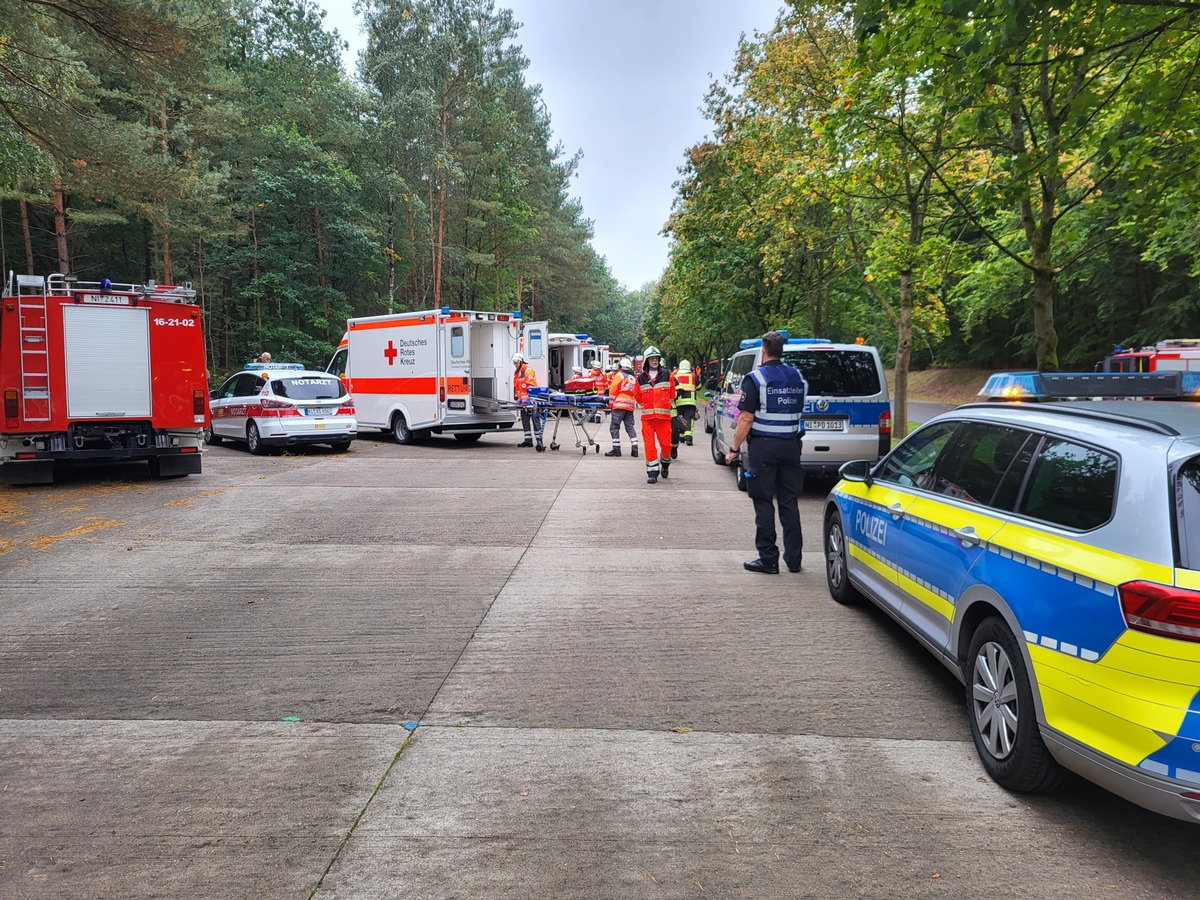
(584,412)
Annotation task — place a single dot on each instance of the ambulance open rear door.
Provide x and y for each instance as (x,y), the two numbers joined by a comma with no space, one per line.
(535,346)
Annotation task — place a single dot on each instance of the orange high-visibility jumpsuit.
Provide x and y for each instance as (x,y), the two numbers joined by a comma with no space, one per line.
(654,397)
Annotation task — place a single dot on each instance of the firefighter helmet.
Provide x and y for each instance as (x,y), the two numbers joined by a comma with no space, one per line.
(627,364)
(685,366)
(651,351)
(518,357)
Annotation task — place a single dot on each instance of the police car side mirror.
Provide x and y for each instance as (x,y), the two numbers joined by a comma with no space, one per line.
(857,470)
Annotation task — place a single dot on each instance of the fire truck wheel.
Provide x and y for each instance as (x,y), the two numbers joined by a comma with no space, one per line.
(401,431)
(254,441)
(211,439)
(340,446)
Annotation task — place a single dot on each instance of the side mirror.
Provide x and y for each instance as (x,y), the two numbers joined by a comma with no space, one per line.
(857,470)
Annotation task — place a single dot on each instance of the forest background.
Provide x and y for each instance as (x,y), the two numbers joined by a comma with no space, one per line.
(1003,183)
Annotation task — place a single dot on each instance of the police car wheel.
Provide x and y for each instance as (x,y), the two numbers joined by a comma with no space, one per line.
(837,568)
(254,440)
(1001,712)
(211,439)
(401,432)
(708,429)
(741,476)
(717,455)
(340,446)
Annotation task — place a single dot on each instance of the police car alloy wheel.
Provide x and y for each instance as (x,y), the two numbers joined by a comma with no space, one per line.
(837,574)
(741,476)
(341,446)
(1000,710)
(717,455)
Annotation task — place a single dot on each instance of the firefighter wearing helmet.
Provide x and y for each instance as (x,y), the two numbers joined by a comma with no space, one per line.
(524,378)
(685,399)
(621,402)
(654,393)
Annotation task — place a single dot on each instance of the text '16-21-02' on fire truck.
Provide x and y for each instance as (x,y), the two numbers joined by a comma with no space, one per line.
(99,371)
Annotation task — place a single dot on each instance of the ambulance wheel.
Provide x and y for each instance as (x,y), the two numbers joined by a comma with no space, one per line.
(1000,709)
(254,440)
(340,446)
(740,471)
(717,455)
(467,438)
(211,439)
(401,432)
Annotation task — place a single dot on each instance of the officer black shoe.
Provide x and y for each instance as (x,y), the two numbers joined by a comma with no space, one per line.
(651,478)
(666,470)
(615,451)
(689,441)
(674,453)
(757,565)
(795,568)
(633,452)
(528,442)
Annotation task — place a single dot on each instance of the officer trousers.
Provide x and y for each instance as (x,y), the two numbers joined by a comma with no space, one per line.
(774,476)
(532,420)
(687,413)
(620,417)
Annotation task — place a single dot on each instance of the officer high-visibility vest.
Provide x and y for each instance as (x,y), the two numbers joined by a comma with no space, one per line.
(781,393)
(686,383)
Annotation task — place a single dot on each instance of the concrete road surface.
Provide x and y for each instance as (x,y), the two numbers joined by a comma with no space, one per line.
(475,671)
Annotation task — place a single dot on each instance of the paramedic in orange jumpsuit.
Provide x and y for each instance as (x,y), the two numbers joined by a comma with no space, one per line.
(621,402)
(524,378)
(654,392)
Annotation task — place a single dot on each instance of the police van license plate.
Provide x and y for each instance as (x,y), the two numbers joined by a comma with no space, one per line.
(824,424)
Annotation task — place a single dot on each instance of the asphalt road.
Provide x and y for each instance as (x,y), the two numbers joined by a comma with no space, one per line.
(476,671)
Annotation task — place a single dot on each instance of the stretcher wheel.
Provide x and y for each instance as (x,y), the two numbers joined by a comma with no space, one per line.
(597,448)
(554,446)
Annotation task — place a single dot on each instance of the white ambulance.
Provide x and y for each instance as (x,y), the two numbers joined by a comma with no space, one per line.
(570,350)
(439,371)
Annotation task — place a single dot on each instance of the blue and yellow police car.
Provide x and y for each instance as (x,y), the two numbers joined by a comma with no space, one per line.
(1048,553)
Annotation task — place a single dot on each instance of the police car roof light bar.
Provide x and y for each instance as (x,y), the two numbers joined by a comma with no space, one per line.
(261,366)
(1083,385)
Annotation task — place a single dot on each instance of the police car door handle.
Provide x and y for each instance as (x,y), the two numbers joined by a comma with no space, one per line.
(897,510)
(967,536)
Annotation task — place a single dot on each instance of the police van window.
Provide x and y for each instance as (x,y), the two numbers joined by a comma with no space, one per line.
(974,466)
(456,342)
(738,369)
(912,463)
(1071,485)
(1187,506)
(836,373)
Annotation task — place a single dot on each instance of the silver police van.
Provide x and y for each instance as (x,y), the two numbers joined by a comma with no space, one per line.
(847,414)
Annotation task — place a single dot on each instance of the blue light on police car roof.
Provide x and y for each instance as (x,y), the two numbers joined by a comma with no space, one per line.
(261,366)
(1014,385)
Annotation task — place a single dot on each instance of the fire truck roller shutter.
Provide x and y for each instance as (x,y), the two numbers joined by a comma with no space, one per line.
(108,361)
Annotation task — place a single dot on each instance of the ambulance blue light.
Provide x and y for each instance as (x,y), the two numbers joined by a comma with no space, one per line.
(517,314)
(445,310)
(581,337)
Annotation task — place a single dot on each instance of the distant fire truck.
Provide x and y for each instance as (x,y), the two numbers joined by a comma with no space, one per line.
(1174,355)
(99,371)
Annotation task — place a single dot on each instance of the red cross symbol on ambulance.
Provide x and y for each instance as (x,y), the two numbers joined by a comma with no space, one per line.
(390,353)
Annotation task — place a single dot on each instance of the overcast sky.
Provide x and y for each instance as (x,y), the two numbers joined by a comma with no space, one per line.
(624,81)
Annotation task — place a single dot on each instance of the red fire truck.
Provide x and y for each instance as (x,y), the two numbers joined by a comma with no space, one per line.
(99,371)
(1173,355)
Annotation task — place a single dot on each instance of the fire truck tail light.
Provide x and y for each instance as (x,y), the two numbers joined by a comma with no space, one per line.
(198,402)
(1161,609)
(11,410)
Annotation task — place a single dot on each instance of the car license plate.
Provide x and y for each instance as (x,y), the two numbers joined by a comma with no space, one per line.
(823,424)
(318,412)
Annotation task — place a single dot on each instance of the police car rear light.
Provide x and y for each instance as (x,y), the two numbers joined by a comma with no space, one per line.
(885,422)
(11,407)
(1161,609)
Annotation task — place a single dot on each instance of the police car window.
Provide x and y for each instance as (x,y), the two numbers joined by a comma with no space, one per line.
(1187,508)
(974,466)
(911,464)
(836,373)
(309,387)
(229,388)
(1071,485)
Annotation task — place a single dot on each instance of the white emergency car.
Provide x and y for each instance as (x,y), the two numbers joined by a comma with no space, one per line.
(280,405)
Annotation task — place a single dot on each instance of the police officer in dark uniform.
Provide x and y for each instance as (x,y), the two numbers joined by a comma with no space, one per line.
(770,427)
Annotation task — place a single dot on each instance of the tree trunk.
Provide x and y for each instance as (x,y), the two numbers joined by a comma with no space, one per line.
(903,356)
(1044,332)
(60,228)
(320,236)
(28,235)
(168,272)
(391,251)
(257,296)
